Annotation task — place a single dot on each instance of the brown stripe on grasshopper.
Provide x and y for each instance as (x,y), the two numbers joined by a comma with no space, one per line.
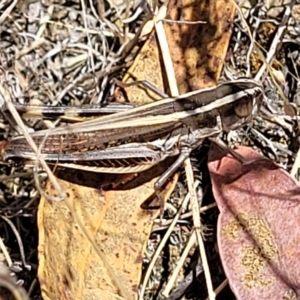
(54,112)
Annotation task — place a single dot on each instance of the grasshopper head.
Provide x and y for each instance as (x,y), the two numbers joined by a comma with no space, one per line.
(243,110)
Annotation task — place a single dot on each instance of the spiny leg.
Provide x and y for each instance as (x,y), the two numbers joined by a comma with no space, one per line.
(148,85)
(185,153)
(244,161)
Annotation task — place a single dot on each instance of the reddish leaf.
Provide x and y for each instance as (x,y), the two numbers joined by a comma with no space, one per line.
(258,226)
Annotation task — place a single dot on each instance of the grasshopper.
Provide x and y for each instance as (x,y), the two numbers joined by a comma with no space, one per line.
(136,139)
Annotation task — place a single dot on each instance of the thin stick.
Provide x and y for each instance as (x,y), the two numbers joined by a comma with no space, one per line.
(30,141)
(188,167)
(164,47)
(197,224)
(9,283)
(180,263)
(220,287)
(8,10)
(5,253)
(277,38)
(163,242)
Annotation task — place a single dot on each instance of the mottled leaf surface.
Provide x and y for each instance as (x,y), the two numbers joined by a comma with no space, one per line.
(197,50)
(69,267)
(258,226)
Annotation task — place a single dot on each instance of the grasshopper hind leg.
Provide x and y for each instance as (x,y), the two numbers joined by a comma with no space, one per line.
(244,161)
(185,153)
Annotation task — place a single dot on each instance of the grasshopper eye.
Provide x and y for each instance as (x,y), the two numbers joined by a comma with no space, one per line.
(243,108)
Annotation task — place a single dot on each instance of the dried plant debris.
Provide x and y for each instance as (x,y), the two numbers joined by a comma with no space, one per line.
(69,52)
(9,288)
(275,131)
(55,53)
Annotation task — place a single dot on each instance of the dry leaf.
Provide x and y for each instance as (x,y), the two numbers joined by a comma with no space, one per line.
(258,226)
(147,66)
(197,50)
(69,267)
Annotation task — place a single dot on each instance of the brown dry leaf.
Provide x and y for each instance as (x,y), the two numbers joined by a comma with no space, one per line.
(197,50)
(147,66)
(258,226)
(69,267)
